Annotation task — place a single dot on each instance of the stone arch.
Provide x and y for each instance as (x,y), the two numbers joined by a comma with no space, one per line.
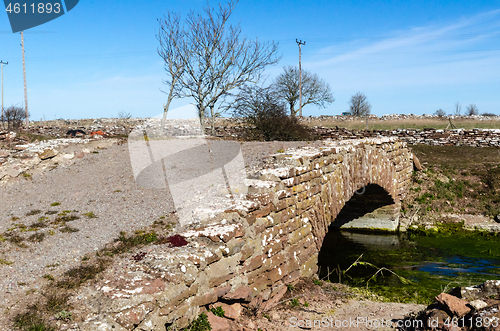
(365,166)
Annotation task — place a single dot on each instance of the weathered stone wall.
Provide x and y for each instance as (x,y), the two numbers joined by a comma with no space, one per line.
(455,137)
(250,253)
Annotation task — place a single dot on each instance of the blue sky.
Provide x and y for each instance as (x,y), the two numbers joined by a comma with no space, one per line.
(406,56)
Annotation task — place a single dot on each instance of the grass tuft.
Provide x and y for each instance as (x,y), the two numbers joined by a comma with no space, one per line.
(79,275)
(33,212)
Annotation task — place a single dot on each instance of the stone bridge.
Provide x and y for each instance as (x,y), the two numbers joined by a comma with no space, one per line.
(272,237)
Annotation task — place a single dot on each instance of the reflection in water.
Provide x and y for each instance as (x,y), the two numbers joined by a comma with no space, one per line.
(455,265)
(428,263)
(372,241)
(342,248)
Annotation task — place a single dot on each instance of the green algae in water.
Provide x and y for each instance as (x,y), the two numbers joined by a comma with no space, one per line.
(434,261)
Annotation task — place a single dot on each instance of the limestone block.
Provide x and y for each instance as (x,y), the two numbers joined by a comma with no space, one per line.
(218,323)
(277,273)
(205,299)
(152,322)
(216,281)
(235,245)
(120,304)
(230,311)
(173,295)
(300,233)
(240,293)
(223,267)
(101,324)
(284,203)
(310,267)
(48,154)
(248,249)
(133,316)
(276,298)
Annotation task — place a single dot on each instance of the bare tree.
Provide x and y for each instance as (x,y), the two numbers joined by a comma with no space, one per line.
(471,110)
(440,112)
(253,101)
(170,36)
(314,90)
(458,108)
(359,106)
(265,110)
(14,117)
(215,58)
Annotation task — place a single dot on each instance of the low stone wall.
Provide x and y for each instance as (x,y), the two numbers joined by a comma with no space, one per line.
(248,254)
(456,137)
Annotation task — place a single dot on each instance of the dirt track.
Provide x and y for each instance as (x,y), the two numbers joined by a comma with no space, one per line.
(101,183)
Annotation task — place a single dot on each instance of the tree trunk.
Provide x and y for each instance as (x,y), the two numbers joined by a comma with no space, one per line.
(212,125)
(201,115)
(165,107)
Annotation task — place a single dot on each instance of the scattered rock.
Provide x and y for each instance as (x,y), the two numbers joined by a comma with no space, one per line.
(454,305)
(416,163)
(218,323)
(48,154)
(478,304)
(475,305)
(231,311)
(443,178)
(436,318)
(486,290)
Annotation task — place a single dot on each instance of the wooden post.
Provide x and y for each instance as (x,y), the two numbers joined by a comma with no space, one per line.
(25,88)
(300,43)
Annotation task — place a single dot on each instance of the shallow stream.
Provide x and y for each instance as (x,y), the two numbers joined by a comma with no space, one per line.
(419,264)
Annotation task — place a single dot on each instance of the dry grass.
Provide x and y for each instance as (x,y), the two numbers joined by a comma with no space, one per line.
(456,179)
(408,124)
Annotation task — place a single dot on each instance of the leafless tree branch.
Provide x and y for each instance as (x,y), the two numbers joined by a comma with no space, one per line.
(214,57)
(359,105)
(314,90)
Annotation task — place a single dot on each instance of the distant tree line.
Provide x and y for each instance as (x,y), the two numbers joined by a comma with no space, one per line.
(470,110)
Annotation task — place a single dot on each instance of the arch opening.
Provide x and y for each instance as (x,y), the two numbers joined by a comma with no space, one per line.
(370,208)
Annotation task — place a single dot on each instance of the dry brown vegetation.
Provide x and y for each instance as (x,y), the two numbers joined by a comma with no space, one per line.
(436,123)
(455,179)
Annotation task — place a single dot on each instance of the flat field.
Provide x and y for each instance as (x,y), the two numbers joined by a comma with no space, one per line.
(411,123)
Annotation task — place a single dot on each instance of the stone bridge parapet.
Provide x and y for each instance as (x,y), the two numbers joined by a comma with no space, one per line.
(249,253)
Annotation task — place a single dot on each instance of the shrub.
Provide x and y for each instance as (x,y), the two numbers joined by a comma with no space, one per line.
(200,324)
(263,110)
(440,112)
(14,116)
(218,311)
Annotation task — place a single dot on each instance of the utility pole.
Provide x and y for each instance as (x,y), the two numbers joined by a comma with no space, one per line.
(2,63)
(300,43)
(25,88)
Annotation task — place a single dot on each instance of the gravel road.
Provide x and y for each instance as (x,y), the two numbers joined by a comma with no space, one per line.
(76,210)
